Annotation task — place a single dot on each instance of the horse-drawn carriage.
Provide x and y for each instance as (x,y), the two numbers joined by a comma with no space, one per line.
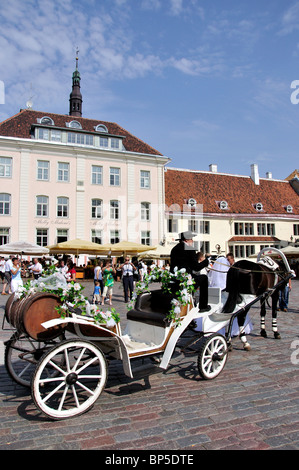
(64,359)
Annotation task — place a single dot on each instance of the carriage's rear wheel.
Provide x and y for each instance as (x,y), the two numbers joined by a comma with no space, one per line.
(212,355)
(22,354)
(79,381)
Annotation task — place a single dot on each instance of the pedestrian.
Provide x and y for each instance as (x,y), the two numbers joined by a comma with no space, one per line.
(98,276)
(284,297)
(2,268)
(108,281)
(7,276)
(128,269)
(71,273)
(16,279)
(36,269)
(96,298)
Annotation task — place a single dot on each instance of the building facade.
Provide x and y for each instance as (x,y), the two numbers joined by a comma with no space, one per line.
(231,213)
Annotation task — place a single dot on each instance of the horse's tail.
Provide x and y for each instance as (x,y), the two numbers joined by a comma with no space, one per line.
(232,287)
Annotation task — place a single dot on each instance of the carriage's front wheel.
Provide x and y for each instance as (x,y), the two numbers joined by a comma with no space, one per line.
(80,379)
(212,355)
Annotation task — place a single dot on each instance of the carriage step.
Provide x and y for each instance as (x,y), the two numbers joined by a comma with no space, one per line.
(220,317)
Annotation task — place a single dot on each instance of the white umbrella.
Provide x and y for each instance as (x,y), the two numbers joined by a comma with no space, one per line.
(159,252)
(23,248)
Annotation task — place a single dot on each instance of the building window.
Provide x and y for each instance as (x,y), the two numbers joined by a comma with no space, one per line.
(104,142)
(205,247)
(43,134)
(43,168)
(96,209)
(4,235)
(62,235)
(204,227)
(62,207)
(74,125)
(101,128)
(96,236)
(63,172)
(266,229)
(145,211)
(55,135)
(5,167)
(259,207)
(80,139)
(5,203)
(172,225)
(239,228)
(42,236)
(114,176)
(114,210)
(96,174)
(114,236)
(296,229)
(145,179)
(146,237)
(47,121)
(114,143)
(193,225)
(42,206)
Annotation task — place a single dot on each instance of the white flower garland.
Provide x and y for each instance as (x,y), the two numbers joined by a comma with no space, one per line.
(182,295)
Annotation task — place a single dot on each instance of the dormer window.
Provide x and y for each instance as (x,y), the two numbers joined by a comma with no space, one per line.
(101,128)
(223,205)
(192,203)
(47,121)
(74,124)
(289,209)
(259,207)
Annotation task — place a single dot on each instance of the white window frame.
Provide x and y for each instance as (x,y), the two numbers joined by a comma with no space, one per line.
(145,179)
(63,172)
(43,170)
(42,206)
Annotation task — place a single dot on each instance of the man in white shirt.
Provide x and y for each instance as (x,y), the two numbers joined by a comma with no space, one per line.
(7,276)
(36,269)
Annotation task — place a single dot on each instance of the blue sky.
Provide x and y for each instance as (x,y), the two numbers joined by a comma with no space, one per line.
(202,82)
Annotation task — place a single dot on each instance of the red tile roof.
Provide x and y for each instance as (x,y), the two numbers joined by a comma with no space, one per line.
(20,124)
(240,193)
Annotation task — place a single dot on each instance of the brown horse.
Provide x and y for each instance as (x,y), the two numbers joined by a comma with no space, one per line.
(247,277)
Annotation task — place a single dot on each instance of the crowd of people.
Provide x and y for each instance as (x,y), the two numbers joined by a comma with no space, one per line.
(14,269)
(206,273)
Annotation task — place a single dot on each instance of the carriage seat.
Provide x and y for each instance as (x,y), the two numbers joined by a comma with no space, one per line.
(151,308)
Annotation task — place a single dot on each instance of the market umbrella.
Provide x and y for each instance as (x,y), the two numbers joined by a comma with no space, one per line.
(126,248)
(291,251)
(76,247)
(23,248)
(160,252)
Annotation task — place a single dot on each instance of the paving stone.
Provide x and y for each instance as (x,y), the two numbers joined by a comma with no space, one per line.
(253,404)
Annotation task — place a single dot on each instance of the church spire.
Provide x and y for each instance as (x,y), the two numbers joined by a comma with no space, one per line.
(75,96)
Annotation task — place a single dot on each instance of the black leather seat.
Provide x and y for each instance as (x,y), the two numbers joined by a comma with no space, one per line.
(151,308)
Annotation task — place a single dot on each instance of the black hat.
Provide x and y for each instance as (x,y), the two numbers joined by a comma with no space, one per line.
(188,235)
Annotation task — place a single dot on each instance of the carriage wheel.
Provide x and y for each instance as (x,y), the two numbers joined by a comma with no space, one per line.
(78,383)
(22,353)
(212,355)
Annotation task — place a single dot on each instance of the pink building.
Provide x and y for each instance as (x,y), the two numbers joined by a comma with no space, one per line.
(65,177)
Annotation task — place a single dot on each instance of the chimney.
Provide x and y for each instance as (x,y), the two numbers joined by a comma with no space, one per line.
(269,175)
(255,174)
(213,168)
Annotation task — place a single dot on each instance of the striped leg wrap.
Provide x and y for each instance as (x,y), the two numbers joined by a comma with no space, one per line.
(263,324)
(274,324)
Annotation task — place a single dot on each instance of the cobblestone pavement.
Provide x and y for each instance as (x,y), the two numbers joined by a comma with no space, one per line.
(252,404)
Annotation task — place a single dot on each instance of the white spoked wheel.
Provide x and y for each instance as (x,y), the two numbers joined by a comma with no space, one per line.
(79,381)
(22,354)
(212,355)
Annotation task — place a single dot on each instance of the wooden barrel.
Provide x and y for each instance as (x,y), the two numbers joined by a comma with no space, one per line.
(27,315)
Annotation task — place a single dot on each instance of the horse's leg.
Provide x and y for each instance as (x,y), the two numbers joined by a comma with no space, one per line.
(275,297)
(242,334)
(263,332)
